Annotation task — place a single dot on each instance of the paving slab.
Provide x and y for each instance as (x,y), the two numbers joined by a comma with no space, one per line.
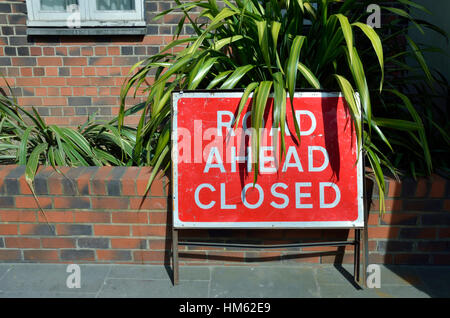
(137,288)
(29,278)
(4,268)
(149,281)
(436,280)
(159,272)
(260,282)
(399,275)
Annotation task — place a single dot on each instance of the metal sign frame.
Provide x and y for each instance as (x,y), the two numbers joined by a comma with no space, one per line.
(359,225)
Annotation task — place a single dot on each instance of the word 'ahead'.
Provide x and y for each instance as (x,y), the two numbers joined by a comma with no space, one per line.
(316,183)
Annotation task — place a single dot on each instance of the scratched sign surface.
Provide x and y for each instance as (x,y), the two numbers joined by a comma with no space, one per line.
(316,183)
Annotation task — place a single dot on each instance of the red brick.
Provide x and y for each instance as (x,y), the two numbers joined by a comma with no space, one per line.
(149,230)
(100,50)
(130,217)
(142,182)
(92,217)
(159,218)
(66,91)
(444,233)
(30,202)
(61,51)
(148,203)
(437,187)
(91,91)
(113,255)
(26,71)
(17,216)
(71,203)
(377,258)
(158,244)
(22,242)
(35,51)
(77,81)
(53,81)
(87,51)
(89,71)
(149,256)
(75,61)
(395,189)
(54,91)
(447,205)
(49,61)
(56,217)
(8,229)
(128,243)
(399,219)
(83,181)
(393,204)
(98,186)
(102,61)
(108,203)
(422,187)
(337,259)
(51,71)
(28,81)
(41,255)
(112,230)
(412,259)
(128,181)
(101,81)
(152,40)
(36,229)
(10,255)
(58,242)
(113,50)
(383,232)
(234,256)
(103,71)
(54,101)
(29,101)
(189,256)
(374,218)
(57,121)
(441,259)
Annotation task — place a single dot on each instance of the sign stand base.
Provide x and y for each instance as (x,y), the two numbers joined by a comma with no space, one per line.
(356,243)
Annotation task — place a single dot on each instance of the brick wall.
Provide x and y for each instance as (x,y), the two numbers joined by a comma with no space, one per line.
(99,215)
(68,77)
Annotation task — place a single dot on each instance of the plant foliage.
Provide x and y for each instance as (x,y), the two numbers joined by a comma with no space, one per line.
(277,47)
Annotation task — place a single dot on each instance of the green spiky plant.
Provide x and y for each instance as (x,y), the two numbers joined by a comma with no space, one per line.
(269,47)
(26,139)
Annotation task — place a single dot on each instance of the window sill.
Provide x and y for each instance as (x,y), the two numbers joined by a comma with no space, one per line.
(87,31)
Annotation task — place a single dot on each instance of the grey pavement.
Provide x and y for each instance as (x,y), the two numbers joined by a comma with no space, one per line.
(33,280)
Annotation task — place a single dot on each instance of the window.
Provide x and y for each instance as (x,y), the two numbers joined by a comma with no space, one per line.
(75,14)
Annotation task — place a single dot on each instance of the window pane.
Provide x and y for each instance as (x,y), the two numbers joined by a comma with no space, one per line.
(57,5)
(115,4)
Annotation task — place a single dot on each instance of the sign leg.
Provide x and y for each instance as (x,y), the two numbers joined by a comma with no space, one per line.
(365,255)
(175,256)
(357,256)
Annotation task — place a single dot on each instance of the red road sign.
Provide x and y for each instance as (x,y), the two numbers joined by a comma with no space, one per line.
(317,183)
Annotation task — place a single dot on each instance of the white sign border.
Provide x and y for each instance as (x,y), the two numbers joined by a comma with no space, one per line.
(178,224)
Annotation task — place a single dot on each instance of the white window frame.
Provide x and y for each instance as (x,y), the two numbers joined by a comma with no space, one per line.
(89,15)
